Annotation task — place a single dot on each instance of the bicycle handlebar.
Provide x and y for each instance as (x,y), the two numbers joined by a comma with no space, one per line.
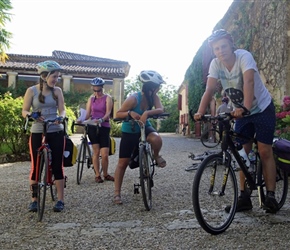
(32,117)
(129,118)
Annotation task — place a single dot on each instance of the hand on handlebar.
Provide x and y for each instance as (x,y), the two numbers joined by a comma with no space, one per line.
(198,116)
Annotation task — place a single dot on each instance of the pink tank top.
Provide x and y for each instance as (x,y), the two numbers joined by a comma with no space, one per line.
(98,109)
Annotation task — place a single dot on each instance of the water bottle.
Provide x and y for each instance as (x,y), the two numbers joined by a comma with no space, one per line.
(252,159)
(244,156)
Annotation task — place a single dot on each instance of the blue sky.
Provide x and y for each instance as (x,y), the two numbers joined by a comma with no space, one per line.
(161,35)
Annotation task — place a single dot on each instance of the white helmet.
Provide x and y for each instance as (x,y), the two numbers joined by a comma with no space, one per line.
(152,77)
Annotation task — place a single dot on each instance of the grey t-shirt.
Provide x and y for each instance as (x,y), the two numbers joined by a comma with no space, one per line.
(48,110)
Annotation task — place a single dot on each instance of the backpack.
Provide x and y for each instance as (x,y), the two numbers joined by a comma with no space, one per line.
(281,149)
(112,149)
(70,153)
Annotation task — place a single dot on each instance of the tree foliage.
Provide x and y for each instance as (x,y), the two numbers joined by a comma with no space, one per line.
(5,7)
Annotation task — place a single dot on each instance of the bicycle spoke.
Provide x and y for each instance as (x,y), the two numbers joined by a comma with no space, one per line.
(42,184)
(214,195)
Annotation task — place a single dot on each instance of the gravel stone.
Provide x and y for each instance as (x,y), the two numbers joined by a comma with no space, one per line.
(92,221)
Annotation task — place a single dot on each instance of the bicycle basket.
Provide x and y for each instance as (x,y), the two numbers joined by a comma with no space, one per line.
(281,149)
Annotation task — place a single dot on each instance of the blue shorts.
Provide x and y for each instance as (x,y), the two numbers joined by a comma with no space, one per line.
(130,141)
(262,125)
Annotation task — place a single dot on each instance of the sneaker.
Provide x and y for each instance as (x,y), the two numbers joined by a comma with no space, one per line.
(99,179)
(58,207)
(109,178)
(270,204)
(244,204)
(32,206)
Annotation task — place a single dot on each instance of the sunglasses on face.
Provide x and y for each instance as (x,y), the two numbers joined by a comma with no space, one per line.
(97,90)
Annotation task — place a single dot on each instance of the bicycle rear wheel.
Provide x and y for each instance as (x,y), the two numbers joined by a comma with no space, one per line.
(214,189)
(281,185)
(42,183)
(146,181)
(82,158)
(210,138)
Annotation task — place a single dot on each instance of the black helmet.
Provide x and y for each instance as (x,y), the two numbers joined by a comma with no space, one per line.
(219,34)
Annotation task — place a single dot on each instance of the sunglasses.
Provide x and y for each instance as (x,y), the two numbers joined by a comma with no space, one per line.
(97,90)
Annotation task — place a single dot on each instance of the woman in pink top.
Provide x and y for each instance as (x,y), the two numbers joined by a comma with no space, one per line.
(99,107)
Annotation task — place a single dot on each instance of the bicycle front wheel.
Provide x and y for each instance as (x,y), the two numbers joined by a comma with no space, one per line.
(281,185)
(210,138)
(146,181)
(42,183)
(214,194)
(82,158)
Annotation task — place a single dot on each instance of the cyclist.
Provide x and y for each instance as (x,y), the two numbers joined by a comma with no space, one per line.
(98,109)
(139,106)
(237,69)
(47,99)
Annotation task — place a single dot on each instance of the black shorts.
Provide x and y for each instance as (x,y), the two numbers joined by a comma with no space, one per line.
(130,141)
(102,138)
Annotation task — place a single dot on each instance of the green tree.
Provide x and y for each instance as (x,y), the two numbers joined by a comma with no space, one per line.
(5,6)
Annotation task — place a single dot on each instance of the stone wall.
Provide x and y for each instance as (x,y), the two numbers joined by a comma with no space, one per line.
(263,28)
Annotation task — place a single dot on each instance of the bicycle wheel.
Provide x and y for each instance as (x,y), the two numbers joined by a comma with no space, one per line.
(42,183)
(210,138)
(214,189)
(145,177)
(281,185)
(82,158)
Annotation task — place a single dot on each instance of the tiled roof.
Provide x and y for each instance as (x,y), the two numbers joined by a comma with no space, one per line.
(77,65)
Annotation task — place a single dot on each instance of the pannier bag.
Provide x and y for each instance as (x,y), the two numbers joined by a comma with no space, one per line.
(281,149)
(112,146)
(70,153)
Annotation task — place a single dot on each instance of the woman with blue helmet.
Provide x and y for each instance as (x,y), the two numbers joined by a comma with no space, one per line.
(98,109)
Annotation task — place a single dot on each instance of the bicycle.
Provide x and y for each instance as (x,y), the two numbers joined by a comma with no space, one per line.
(84,153)
(215,187)
(44,177)
(211,136)
(146,162)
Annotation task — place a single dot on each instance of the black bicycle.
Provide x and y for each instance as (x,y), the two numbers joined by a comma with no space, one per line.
(84,157)
(215,188)
(146,162)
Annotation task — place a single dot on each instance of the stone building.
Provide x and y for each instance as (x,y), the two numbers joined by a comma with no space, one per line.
(78,72)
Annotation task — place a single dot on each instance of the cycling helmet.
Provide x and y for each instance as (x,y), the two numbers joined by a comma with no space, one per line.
(219,34)
(151,77)
(48,66)
(226,100)
(98,81)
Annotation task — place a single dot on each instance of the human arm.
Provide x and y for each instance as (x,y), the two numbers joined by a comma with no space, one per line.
(109,106)
(60,102)
(248,90)
(27,102)
(206,98)
(128,105)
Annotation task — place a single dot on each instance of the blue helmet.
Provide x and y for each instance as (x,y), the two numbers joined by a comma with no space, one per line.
(98,81)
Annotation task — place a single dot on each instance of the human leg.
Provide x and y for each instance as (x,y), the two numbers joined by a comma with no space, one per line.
(119,175)
(156,142)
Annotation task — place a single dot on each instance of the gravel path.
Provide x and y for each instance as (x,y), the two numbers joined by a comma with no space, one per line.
(92,221)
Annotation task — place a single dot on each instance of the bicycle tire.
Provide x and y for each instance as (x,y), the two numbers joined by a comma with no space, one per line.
(210,138)
(281,184)
(81,161)
(42,183)
(145,177)
(209,200)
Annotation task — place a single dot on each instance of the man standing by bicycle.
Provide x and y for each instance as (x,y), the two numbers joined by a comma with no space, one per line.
(47,99)
(237,69)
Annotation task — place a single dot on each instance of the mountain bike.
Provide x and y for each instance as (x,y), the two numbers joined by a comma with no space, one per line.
(215,188)
(146,162)
(84,153)
(44,177)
